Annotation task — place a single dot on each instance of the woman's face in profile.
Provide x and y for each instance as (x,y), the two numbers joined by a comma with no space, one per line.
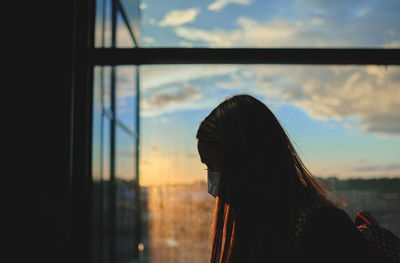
(210,156)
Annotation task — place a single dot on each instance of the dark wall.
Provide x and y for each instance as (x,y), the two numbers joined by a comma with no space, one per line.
(55,38)
(53,82)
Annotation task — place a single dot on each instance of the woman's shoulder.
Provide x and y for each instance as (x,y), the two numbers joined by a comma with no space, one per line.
(323,218)
(330,232)
(323,214)
(320,214)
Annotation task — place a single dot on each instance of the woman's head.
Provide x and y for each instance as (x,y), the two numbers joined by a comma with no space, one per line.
(263,181)
(252,151)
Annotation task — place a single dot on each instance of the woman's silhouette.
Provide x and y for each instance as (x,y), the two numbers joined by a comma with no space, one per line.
(261,188)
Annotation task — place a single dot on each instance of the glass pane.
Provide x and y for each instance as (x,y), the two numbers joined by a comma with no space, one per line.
(106,192)
(132,11)
(344,121)
(276,23)
(106,84)
(96,168)
(103,24)
(124,38)
(125,155)
(126,96)
(98,34)
(127,214)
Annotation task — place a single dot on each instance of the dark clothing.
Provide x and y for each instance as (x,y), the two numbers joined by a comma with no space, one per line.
(331,236)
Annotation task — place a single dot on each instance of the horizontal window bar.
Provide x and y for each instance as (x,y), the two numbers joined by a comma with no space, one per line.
(323,56)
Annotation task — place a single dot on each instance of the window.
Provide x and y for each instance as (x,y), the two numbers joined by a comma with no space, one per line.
(337,97)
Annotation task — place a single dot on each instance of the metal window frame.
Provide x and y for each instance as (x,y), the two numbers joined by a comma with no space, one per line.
(304,56)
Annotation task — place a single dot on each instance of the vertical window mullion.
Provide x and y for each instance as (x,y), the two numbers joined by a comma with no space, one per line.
(113,185)
(137,186)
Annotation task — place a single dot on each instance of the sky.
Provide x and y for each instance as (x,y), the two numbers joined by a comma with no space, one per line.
(272,23)
(343,120)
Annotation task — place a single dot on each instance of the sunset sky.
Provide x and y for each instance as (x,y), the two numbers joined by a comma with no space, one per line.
(344,120)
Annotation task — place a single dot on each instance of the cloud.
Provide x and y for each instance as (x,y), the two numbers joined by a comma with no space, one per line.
(154,77)
(373,168)
(218,5)
(273,33)
(125,87)
(149,40)
(170,98)
(142,6)
(161,87)
(393,44)
(306,23)
(368,94)
(162,99)
(179,17)
(362,97)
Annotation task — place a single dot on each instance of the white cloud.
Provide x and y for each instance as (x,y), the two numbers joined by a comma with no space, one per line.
(273,33)
(153,77)
(220,4)
(312,24)
(366,96)
(179,87)
(393,44)
(149,40)
(179,17)
(142,6)
(370,94)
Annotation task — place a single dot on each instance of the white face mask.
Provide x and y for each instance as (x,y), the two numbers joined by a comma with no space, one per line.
(213,179)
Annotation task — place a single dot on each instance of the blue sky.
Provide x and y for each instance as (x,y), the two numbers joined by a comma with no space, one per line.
(258,23)
(344,120)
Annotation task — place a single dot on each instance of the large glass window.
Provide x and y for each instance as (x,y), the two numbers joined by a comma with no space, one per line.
(149,194)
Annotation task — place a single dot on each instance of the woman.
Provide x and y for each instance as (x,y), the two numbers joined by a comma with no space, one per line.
(262,187)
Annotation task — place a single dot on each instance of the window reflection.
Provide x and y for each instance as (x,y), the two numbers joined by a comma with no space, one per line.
(132,11)
(115,189)
(96,168)
(123,38)
(106,213)
(126,96)
(103,24)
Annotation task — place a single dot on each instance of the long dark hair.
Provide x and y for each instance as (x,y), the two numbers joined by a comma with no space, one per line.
(264,183)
